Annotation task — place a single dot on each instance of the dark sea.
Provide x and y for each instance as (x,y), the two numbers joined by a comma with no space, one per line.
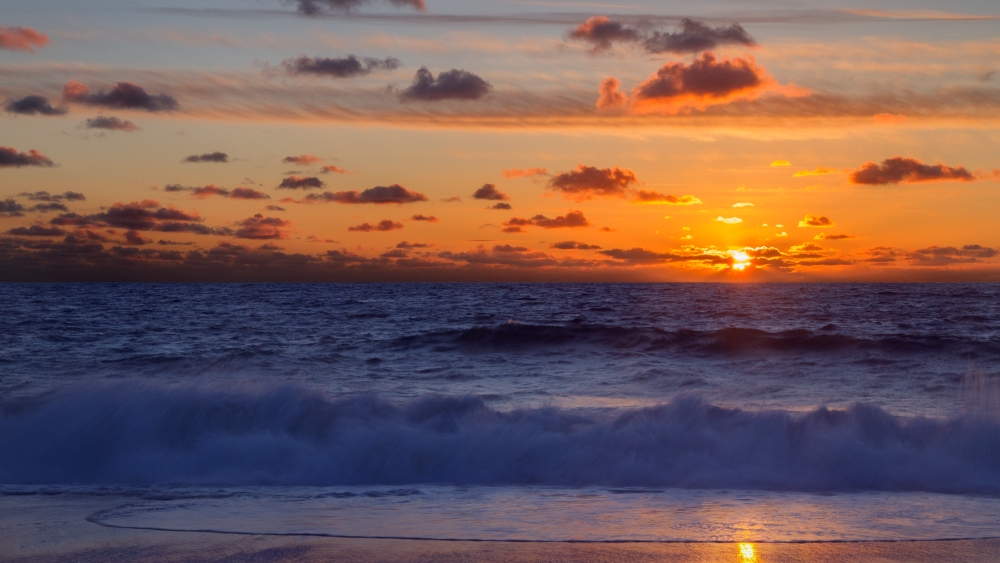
(529,412)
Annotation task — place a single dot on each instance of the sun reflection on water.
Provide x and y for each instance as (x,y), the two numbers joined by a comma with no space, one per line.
(748,554)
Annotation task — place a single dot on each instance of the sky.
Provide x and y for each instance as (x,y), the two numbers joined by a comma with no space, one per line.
(475,140)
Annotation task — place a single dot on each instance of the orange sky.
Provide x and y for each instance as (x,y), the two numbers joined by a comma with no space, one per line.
(480,141)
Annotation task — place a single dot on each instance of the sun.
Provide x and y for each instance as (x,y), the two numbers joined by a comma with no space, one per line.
(740,260)
(747,553)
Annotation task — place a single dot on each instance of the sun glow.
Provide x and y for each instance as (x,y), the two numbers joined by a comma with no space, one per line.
(747,553)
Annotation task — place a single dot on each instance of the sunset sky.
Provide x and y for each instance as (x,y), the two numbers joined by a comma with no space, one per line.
(368,140)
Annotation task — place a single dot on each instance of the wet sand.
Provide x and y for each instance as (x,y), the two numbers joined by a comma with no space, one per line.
(39,528)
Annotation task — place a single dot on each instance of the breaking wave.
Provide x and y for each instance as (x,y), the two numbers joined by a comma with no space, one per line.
(139,433)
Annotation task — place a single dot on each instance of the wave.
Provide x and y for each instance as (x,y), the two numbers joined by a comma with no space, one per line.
(140,433)
(726,341)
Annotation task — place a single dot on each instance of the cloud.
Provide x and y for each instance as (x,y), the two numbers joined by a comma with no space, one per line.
(695,36)
(647,196)
(573,219)
(48,207)
(504,255)
(203,192)
(490,192)
(821,171)
(146,215)
(317,7)
(945,255)
(10,208)
(587,182)
(10,158)
(824,236)
(33,105)
(219,157)
(379,195)
(610,95)
(331,169)
(601,32)
(449,85)
(818,221)
(706,81)
(729,220)
(37,231)
(572,244)
(135,239)
(382,226)
(523,173)
(46,196)
(742,204)
(303,183)
(907,170)
(124,95)
(642,256)
(345,67)
(260,227)
(411,245)
(22,39)
(427,218)
(806,247)
(274,208)
(501,206)
(778,163)
(110,123)
(303,159)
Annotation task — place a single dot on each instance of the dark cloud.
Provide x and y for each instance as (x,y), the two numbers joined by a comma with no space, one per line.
(22,39)
(303,159)
(695,36)
(248,193)
(37,231)
(146,215)
(384,225)
(907,170)
(587,182)
(449,85)
(501,206)
(331,169)
(512,173)
(379,195)
(572,219)
(203,192)
(646,196)
(816,221)
(572,244)
(411,245)
(345,67)
(33,105)
(825,236)
(428,218)
(945,255)
(397,253)
(490,192)
(317,7)
(208,157)
(10,158)
(602,32)
(135,239)
(46,196)
(111,123)
(48,207)
(301,183)
(124,95)
(70,219)
(274,208)
(643,256)
(705,78)
(259,227)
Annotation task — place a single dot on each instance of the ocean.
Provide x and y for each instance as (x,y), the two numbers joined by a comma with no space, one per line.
(508,412)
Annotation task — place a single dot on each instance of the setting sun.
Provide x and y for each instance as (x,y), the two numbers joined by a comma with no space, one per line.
(747,553)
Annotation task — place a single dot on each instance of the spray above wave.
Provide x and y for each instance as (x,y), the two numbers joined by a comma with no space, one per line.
(725,341)
(140,433)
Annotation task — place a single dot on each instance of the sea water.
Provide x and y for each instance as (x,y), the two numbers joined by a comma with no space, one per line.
(509,412)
